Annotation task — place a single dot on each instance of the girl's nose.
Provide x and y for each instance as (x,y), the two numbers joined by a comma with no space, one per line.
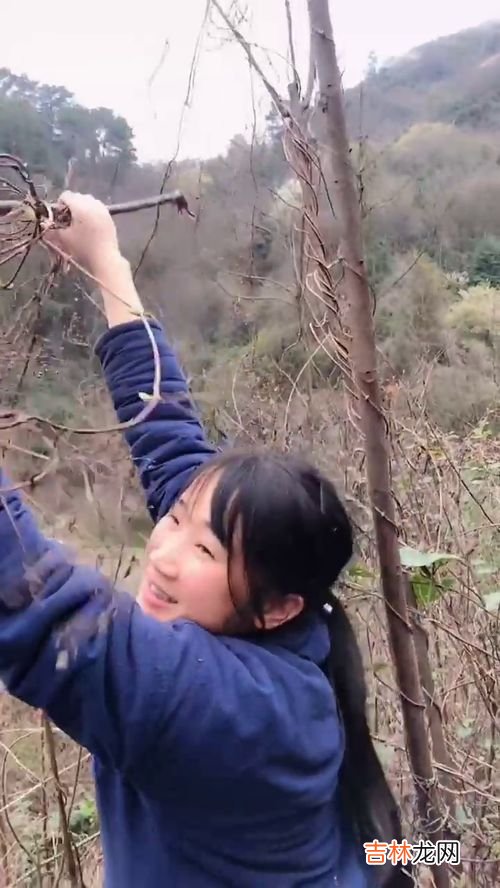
(165,561)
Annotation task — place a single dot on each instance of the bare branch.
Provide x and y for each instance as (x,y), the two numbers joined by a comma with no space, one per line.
(130,206)
(69,856)
(291,46)
(311,79)
(169,166)
(278,101)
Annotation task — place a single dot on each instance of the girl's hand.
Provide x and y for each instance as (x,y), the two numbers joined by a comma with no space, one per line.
(91,239)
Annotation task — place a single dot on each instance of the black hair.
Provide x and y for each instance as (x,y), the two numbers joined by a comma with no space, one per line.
(295,538)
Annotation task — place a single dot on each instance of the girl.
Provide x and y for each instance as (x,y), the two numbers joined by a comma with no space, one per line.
(225,708)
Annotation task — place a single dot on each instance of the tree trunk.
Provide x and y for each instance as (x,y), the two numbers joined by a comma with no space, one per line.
(358,323)
(450,786)
(301,163)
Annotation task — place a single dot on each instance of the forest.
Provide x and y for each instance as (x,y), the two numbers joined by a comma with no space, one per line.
(229,285)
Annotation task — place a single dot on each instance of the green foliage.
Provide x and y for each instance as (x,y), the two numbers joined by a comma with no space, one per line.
(453,79)
(84,819)
(423,569)
(431,149)
(378,260)
(46,127)
(459,394)
(485,264)
(477,314)
(413,558)
(25,133)
(410,315)
(280,348)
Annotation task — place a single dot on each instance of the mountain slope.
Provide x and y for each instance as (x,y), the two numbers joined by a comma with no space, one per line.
(455,79)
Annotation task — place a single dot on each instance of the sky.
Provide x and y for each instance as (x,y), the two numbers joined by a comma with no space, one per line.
(134,56)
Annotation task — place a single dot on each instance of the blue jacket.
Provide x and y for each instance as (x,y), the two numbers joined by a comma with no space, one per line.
(216,758)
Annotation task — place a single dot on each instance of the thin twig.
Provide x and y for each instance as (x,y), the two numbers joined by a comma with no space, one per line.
(170,164)
(69,851)
(278,101)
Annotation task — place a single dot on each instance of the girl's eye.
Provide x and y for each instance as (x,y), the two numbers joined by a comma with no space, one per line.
(205,551)
(173,518)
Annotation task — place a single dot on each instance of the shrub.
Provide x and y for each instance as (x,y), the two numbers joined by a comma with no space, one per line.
(477,314)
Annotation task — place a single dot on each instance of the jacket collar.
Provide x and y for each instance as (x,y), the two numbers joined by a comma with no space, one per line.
(307,636)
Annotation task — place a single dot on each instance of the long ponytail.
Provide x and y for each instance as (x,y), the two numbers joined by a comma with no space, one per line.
(296,538)
(364,792)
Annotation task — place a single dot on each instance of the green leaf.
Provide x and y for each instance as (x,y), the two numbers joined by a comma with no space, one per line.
(87,808)
(84,818)
(492,601)
(359,570)
(414,558)
(424,589)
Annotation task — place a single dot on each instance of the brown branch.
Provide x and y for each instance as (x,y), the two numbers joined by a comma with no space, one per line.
(117,209)
(69,856)
(311,79)
(291,46)
(169,166)
(433,708)
(18,419)
(21,882)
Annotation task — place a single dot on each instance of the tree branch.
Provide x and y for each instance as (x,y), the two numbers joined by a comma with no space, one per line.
(311,79)
(131,206)
(278,101)
(293,61)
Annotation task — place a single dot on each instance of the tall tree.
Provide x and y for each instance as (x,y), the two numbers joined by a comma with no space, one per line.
(369,407)
(45,126)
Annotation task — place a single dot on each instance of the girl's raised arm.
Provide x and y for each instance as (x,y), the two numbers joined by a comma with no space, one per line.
(170,443)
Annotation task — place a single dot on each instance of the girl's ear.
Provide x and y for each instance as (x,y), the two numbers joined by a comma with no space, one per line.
(282,610)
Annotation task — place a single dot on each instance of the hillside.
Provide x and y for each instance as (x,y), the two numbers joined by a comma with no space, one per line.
(431,191)
(455,79)
(226,285)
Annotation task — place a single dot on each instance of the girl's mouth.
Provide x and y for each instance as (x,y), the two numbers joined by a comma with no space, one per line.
(153,596)
(155,590)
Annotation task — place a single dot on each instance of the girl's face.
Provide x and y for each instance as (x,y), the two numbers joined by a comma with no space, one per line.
(187,572)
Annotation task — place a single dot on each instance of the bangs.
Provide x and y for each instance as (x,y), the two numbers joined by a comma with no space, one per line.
(261,502)
(285,522)
(283,518)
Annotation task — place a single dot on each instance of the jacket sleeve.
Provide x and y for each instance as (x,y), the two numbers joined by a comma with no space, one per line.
(108,675)
(70,644)
(171,443)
